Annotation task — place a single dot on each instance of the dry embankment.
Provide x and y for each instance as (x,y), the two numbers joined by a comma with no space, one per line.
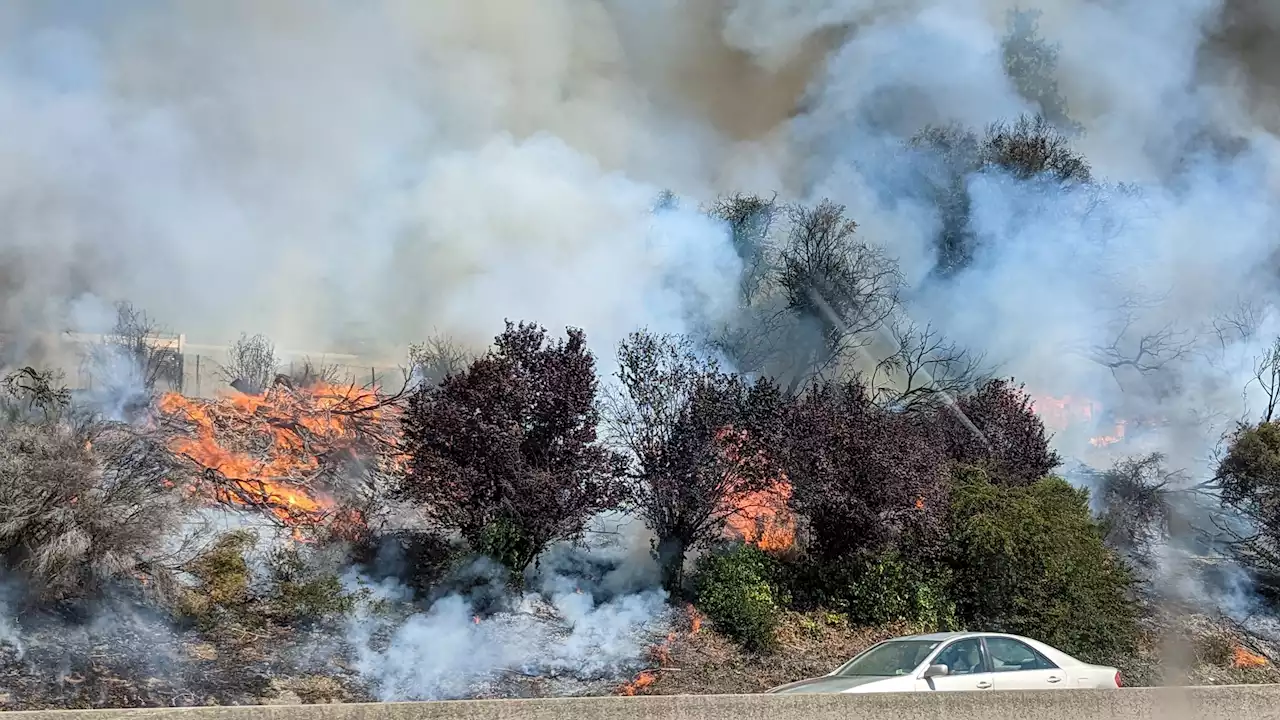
(1253,702)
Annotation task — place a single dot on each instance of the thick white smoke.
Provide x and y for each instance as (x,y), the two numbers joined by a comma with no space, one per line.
(299,167)
(587,617)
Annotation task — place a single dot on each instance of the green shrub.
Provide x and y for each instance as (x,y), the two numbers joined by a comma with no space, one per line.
(734,592)
(873,589)
(300,593)
(1032,561)
(888,588)
(222,577)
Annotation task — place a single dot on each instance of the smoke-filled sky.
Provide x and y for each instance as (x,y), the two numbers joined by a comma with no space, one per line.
(319,169)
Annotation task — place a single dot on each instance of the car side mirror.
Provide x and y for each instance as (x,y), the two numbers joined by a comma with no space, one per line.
(936,671)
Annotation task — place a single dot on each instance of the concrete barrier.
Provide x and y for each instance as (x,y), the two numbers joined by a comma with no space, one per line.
(1254,702)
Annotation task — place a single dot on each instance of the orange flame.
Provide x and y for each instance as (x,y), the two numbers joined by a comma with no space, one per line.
(695,620)
(269,447)
(1059,413)
(757,517)
(660,654)
(1104,440)
(641,681)
(1242,658)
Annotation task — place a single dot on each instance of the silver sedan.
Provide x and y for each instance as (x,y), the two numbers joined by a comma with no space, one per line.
(958,662)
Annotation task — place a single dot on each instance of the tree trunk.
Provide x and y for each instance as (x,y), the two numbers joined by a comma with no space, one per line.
(670,554)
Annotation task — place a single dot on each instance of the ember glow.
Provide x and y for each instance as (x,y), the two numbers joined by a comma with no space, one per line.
(1061,413)
(660,654)
(273,451)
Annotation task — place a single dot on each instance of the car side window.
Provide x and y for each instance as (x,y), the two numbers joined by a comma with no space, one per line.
(962,657)
(1009,655)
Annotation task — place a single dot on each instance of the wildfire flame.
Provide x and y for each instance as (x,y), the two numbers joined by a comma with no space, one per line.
(269,451)
(660,654)
(641,681)
(757,517)
(1242,658)
(695,620)
(1059,413)
(1104,440)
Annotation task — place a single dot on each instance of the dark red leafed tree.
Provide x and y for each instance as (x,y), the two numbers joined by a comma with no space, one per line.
(698,439)
(1011,444)
(506,452)
(865,477)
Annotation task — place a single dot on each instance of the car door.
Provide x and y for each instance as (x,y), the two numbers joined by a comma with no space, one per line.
(1016,665)
(967,666)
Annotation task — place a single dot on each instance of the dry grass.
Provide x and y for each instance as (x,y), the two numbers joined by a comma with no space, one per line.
(1182,647)
(809,644)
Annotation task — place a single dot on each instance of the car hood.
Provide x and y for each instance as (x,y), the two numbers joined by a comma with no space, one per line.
(825,684)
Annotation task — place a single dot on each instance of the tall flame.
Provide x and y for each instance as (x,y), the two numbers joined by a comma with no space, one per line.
(757,517)
(267,450)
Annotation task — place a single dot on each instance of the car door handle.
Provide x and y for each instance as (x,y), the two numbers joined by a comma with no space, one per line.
(984,685)
(1054,678)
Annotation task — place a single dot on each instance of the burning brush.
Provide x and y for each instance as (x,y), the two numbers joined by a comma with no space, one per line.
(758,517)
(660,655)
(289,452)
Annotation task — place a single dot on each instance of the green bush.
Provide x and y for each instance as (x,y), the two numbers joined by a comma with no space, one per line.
(890,588)
(734,591)
(305,594)
(1032,561)
(222,577)
(873,589)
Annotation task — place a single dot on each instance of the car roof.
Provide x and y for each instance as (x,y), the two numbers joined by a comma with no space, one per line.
(1054,653)
(938,636)
(941,636)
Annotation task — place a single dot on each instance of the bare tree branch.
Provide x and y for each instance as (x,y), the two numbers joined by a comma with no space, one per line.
(437,358)
(252,364)
(924,369)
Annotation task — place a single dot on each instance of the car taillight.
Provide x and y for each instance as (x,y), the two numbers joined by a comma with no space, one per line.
(1119,680)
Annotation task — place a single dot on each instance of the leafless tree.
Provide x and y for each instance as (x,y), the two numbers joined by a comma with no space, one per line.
(133,358)
(82,505)
(1266,373)
(437,358)
(1142,351)
(826,272)
(925,368)
(309,373)
(27,390)
(251,364)
(750,219)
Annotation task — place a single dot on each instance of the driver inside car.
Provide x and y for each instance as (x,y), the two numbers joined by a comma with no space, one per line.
(961,659)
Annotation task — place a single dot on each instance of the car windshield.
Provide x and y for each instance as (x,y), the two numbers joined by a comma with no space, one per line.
(896,657)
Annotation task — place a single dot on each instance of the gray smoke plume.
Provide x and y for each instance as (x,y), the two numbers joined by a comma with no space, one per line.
(294,168)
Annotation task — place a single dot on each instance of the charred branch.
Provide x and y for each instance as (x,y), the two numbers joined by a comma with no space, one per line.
(925,369)
(1143,352)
